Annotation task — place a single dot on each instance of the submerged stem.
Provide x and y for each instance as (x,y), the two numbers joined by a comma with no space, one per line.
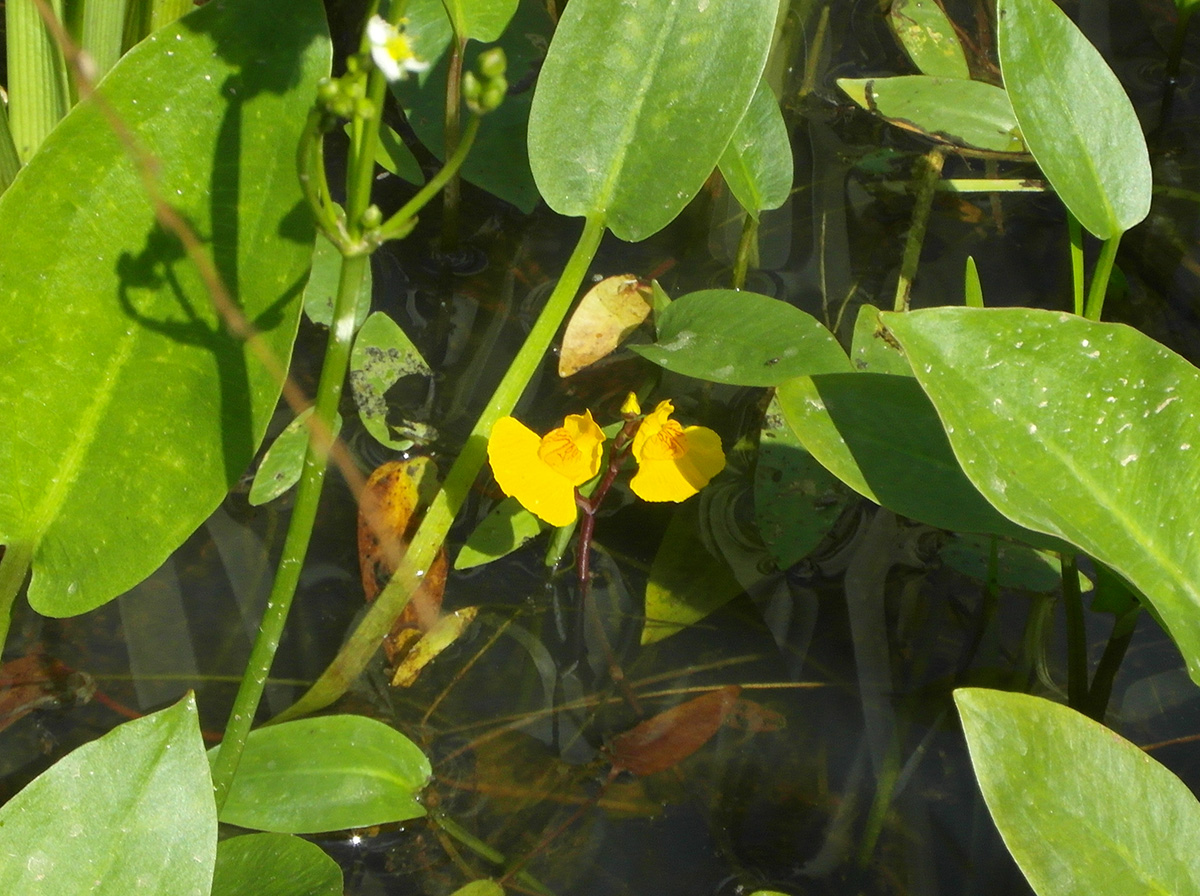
(308,495)
(1077,677)
(365,640)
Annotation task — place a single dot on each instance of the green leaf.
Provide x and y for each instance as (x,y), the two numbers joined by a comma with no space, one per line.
(38,94)
(1083,811)
(741,338)
(962,113)
(929,38)
(382,354)
(881,436)
(482,20)
(502,531)
(796,500)
(101,28)
(284,461)
(130,812)
(130,408)
(394,157)
(637,101)
(686,581)
(10,162)
(1075,116)
(499,160)
(480,888)
(274,865)
(1017,566)
(869,351)
(326,774)
(972,288)
(757,163)
(323,284)
(1080,429)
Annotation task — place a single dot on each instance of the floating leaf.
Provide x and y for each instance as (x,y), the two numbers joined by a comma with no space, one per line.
(1075,117)
(686,581)
(130,812)
(325,774)
(323,286)
(1080,429)
(796,500)
(382,354)
(869,349)
(646,95)
(1082,810)
(274,865)
(441,635)
(929,38)
(963,113)
(1017,565)
(666,739)
(757,163)
(502,531)
(128,427)
(284,461)
(603,319)
(387,520)
(741,338)
(881,436)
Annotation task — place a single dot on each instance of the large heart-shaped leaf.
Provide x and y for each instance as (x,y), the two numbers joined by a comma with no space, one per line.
(131,812)
(1084,430)
(636,102)
(326,774)
(742,338)
(1074,116)
(1083,811)
(128,407)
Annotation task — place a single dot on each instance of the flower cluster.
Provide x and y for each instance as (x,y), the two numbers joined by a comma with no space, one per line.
(543,473)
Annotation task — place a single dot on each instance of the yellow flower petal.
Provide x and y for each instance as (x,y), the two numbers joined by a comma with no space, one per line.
(573,450)
(631,408)
(673,463)
(542,490)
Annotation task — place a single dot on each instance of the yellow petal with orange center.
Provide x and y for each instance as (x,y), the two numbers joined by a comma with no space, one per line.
(573,450)
(673,463)
(542,490)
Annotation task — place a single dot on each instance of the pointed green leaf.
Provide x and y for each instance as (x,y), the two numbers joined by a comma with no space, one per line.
(274,865)
(742,338)
(963,113)
(972,288)
(881,436)
(502,531)
(131,812)
(382,354)
(869,351)
(1084,430)
(1083,811)
(1075,116)
(929,38)
(757,163)
(637,101)
(482,20)
(322,285)
(284,461)
(129,408)
(326,774)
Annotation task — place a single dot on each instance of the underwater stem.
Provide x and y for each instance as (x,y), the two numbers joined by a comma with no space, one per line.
(365,640)
(308,496)
(1077,679)
(929,171)
(1075,235)
(747,244)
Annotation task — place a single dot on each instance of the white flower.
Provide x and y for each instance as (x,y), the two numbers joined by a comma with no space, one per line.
(390,50)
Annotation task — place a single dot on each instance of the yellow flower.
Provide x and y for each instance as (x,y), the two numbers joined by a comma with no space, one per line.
(542,473)
(673,462)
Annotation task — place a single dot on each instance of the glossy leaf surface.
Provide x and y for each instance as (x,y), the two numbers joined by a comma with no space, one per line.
(1075,116)
(741,338)
(284,461)
(506,528)
(274,865)
(1084,430)
(1083,811)
(757,163)
(136,409)
(323,285)
(130,812)
(881,436)
(928,37)
(606,315)
(637,101)
(382,354)
(963,113)
(326,774)
(482,20)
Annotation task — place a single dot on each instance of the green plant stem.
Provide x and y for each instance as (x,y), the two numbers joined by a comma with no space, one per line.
(362,154)
(928,173)
(38,93)
(401,219)
(746,246)
(1077,677)
(477,846)
(452,133)
(1075,235)
(295,546)
(14,567)
(1099,287)
(1110,663)
(365,640)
